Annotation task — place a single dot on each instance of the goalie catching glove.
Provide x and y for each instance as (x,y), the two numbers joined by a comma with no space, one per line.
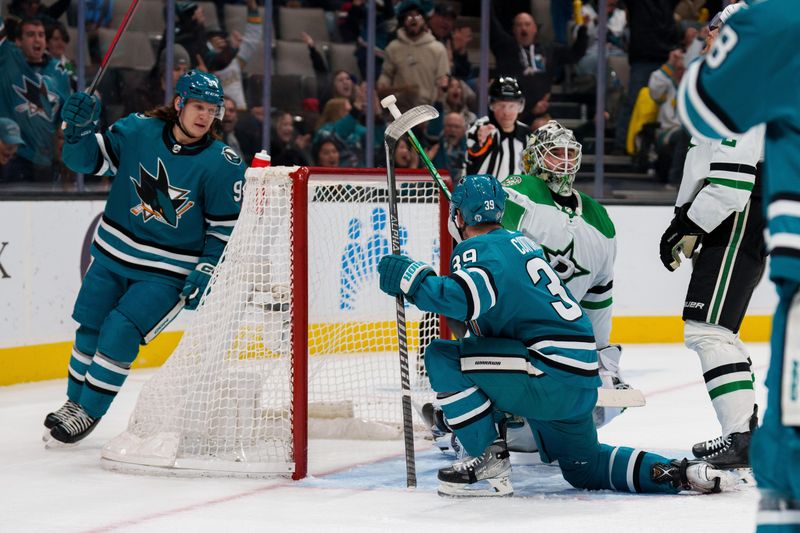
(196,283)
(401,275)
(682,236)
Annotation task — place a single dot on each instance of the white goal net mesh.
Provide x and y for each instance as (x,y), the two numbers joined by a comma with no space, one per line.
(223,401)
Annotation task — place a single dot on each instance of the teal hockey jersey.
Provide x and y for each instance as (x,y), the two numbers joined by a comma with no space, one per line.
(170,207)
(750,77)
(502,286)
(32,95)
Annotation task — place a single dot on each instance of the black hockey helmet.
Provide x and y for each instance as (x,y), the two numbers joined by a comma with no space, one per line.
(505,88)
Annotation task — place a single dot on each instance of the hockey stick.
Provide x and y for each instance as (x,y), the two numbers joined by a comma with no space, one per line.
(397,129)
(390,103)
(106,58)
(104,63)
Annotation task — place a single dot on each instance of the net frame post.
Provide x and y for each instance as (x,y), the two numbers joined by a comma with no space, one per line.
(299,282)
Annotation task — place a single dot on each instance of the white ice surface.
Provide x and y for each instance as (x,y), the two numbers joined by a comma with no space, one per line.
(360,486)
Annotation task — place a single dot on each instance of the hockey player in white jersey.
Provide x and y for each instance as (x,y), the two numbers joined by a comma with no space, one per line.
(575,232)
(719,223)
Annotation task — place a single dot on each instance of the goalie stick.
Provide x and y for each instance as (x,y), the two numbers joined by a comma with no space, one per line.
(397,129)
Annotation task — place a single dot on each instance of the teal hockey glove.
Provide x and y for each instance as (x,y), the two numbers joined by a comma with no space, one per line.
(81,114)
(196,283)
(401,275)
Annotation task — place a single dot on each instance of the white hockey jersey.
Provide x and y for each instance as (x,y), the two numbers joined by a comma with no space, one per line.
(718,176)
(580,245)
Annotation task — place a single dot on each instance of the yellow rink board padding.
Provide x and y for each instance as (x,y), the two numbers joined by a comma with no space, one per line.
(49,361)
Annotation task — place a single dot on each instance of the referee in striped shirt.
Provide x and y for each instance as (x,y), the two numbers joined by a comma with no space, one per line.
(495,142)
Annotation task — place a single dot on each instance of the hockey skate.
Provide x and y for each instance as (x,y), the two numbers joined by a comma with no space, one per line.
(75,428)
(693,475)
(58,416)
(489,474)
(728,452)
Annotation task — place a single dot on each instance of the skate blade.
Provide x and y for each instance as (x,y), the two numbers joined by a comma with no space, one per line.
(488,488)
(46,435)
(55,444)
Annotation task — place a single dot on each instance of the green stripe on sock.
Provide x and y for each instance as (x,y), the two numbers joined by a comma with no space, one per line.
(733,184)
(596,305)
(730,387)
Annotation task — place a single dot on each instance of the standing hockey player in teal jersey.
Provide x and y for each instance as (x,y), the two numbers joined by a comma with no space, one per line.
(35,86)
(748,78)
(170,211)
(529,351)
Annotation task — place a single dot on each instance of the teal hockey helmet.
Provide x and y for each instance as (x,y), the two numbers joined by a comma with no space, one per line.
(203,86)
(480,198)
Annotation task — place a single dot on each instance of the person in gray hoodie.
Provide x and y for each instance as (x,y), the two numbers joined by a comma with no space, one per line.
(415,63)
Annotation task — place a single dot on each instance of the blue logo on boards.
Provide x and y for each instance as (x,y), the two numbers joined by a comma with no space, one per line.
(360,257)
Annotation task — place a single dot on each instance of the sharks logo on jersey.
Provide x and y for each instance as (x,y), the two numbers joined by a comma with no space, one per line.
(564,263)
(37,99)
(231,156)
(159,199)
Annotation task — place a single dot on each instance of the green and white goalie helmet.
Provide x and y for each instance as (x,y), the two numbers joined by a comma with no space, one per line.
(552,154)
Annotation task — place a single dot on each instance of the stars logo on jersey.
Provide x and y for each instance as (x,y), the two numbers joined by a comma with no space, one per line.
(159,200)
(37,99)
(232,157)
(563,262)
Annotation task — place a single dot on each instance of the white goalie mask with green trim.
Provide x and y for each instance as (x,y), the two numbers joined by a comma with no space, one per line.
(552,154)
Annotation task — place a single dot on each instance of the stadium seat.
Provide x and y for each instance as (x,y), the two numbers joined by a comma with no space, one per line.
(133,50)
(236,17)
(256,65)
(71,50)
(341,56)
(149,17)
(293,58)
(293,21)
(540,9)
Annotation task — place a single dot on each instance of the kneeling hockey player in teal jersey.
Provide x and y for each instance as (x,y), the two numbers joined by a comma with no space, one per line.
(529,351)
(170,211)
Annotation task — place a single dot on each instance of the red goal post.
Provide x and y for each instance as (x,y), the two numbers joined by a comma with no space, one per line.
(292,329)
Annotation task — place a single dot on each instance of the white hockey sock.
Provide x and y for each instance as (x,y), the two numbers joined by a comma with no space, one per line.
(727,374)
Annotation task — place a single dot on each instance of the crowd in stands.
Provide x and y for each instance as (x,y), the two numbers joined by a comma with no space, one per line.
(427,53)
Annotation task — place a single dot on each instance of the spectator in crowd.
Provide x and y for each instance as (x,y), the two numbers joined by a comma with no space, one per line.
(10,141)
(20,10)
(455,38)
(456,96)
(495,142)
(415,63)
(190,32)
(616,24)
(689,10)
(287,148)
(151,91)
(540,121)
(340,84)
(228,125)
(672,141)
(57,38)
(653,34)
(32,95)
(354,29)
(693,42)
(404,155)
(98,15)
(561,12)
(518,54)
(232,52)
(325,153)
(450,147)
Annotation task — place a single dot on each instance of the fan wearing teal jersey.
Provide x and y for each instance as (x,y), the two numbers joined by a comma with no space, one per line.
(529,351)
(749,78)
(169,213)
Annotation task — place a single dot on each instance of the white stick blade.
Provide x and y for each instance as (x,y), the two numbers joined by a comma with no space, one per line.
(409,119)
(620,398)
